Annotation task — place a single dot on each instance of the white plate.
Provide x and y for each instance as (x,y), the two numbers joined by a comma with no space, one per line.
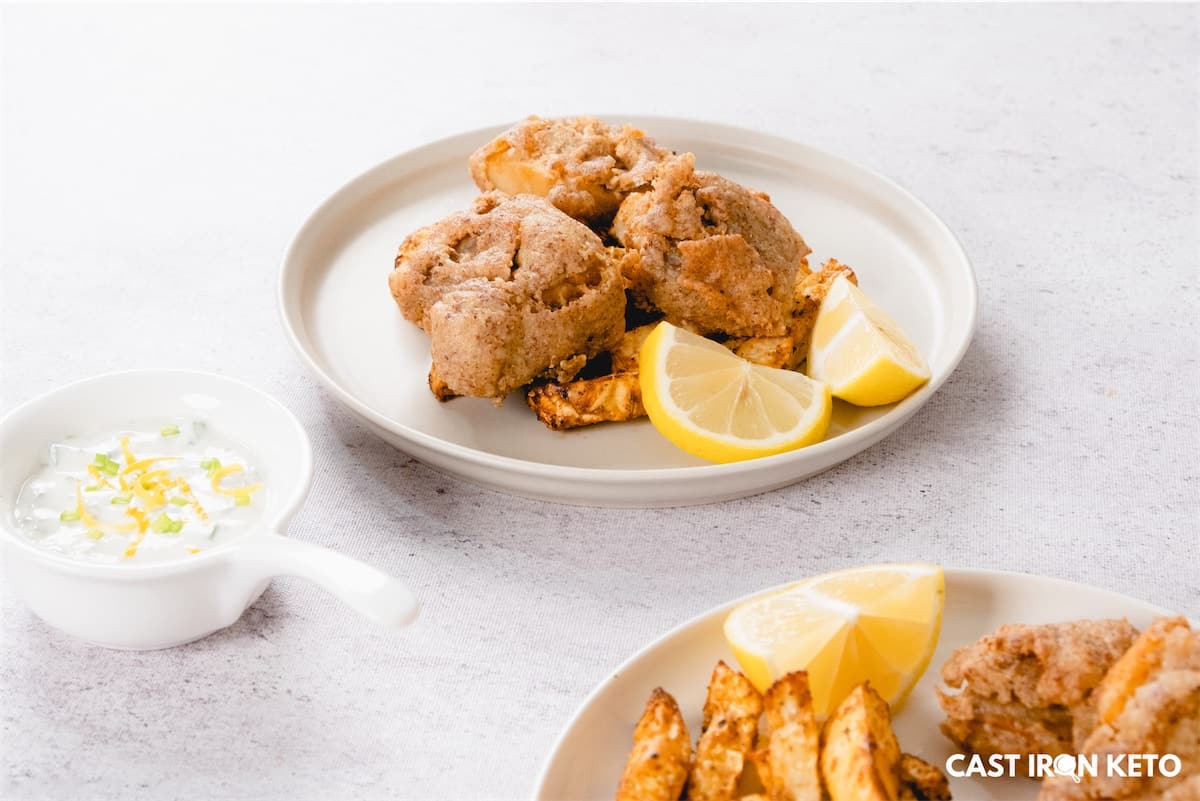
(341,319)
(587,760)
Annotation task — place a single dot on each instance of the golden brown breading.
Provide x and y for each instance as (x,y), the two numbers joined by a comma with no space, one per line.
(657,767)
(582,166)
(625,354)
(1148,703)
(788,762)
(507,292)
(731,713)
(712,255)
(860,757)
(1027,689)
(767,351)
(607,399)
(920,781)
(810,291)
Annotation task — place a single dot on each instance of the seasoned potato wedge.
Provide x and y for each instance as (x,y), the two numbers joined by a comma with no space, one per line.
(731,713)
(793,742)
(860,758)
(657,767)
(920,781)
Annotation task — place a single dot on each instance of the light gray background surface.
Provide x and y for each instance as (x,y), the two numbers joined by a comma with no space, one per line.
(157,161)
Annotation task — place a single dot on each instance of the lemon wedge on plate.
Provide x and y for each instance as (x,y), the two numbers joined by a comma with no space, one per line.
(861,352)
(878,623)
(718,406)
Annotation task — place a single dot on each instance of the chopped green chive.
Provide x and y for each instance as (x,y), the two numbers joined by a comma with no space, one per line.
(162,524)
(241,500)
(92,488)
(69,517)
(169,431)
(180,501)
(176,527)
(106,465)
(211,465)
(95,534)
(100,460)
(121,500)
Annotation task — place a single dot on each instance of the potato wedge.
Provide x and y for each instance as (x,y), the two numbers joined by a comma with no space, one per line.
(921,781)
(607,399)
(731,713)
(657,767)
(860,758)
(793,742)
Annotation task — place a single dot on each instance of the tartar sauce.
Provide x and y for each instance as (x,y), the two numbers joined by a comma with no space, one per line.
(148,493)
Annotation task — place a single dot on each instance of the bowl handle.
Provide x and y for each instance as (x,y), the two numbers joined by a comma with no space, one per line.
(370,592)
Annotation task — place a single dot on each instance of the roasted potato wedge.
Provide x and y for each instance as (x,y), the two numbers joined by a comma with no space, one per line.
(657,767)
(609,398)
(731,713)
(788,767)
(920,781)
(860,758)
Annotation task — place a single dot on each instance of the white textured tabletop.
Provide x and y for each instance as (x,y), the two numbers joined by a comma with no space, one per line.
(157,160)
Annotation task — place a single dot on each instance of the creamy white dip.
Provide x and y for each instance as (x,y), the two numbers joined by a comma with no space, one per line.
(148,493)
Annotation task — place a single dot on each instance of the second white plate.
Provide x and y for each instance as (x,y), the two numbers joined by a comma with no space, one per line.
(586,763)
(344,325)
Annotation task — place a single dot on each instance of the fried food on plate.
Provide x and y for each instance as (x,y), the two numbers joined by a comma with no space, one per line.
(920,781)
(1148,703)
(584,167)
(509,291)
(657,767)
(731,713)
(1028,689)
(860,757)
(712,255)
(586,401)
(811,289)
(787,763)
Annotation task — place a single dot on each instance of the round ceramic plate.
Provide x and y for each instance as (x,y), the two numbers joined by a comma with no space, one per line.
(587,760)
(342,321)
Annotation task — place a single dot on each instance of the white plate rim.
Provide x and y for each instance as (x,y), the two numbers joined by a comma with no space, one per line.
(288,303)
(969,573)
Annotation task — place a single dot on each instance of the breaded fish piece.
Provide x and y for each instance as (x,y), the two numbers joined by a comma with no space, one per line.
(860,757)
(810,292)
(1028,689)
(712,255)
(512,290)
(657,767)
(582,166)
(731,713)
(787,764)
(1148,703)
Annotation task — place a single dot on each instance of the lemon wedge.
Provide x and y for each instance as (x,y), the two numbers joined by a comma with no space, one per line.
(860,351)
(878,623)
(718,406)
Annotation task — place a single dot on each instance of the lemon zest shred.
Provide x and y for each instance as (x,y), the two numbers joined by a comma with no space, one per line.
(129,457)
(141,464)
(95,473)
(186,490)
(233,492)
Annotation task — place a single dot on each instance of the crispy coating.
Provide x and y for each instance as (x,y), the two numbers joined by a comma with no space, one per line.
(810,291)
(582,166)
(657,767)
(920,781)
(731,713)
(860,757)
(606,399)
(767,351)
(1027,689)
(788,762)
(507,292)
(625,354)
(712,255)
(1148,703)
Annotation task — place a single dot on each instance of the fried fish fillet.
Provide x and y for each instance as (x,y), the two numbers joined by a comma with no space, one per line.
(512,290)
(810,292)
(657,767)
(860,757)
(581,165)
(731,713)
(711,254)
(1027,689)
(1148,703)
